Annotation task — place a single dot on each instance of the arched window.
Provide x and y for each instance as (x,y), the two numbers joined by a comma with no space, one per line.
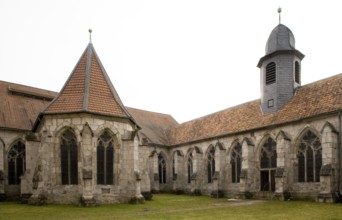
(268,165)
(235,161)
(309,158)
(190,167)
(211,164)
(174,165)
(297,72)
(105,159)
(270,73)
(16,162)
(69,158)
(162,169)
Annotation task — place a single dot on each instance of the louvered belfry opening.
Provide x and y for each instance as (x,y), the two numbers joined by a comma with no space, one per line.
(297,72)
(270,73)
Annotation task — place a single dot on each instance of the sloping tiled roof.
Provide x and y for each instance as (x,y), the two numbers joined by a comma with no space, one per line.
(314,99)
(88,89)
(20,105)
(153,125)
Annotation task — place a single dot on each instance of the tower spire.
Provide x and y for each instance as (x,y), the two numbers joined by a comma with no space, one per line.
(90,35)
(279,12)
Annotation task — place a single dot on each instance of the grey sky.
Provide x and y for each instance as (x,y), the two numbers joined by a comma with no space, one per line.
(187,58)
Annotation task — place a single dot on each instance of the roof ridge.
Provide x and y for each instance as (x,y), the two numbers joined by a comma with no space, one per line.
(154,112)
(66,82)
(214,113)
(88,89)
(339,75)
(111,86)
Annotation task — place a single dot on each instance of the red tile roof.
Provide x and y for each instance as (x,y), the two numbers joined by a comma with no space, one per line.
(311,100)
(88,89)
(20,105)
(153,125)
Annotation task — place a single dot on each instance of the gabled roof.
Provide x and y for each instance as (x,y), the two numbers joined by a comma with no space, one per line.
(88,89)
(322,97)
(153,125)
(20,105)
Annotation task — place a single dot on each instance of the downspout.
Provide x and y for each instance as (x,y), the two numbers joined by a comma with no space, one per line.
(340,152)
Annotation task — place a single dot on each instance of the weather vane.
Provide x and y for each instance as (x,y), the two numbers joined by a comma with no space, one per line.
(90,35)
(279,11)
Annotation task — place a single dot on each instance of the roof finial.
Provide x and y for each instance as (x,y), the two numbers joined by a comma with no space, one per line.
(90,35)
(279,11)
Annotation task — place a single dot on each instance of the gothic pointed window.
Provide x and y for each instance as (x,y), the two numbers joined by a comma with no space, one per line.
(190,167)
(211,164)
(174,165)
(69,157)
(161,169)
(270,73)
(235,161)
(105,159)
(309,156)
(297,72)
(268,165)
(16,163)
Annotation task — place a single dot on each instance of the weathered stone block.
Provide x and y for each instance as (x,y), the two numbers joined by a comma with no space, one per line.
(39,200)
(87,174)
(326,170)
(88,202)
(136,200)
(147,195)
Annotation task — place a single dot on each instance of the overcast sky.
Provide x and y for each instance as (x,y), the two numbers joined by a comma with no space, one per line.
(186,58)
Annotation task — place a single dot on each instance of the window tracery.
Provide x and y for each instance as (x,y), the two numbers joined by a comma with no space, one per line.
(69,169)
(235,161)
(211,164)
(190,167)
(16,162)
(309,156)
(161,169)
(268,165)
(105,159)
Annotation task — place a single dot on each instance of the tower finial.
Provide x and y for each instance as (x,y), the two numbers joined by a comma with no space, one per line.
(90,35)
(279,11)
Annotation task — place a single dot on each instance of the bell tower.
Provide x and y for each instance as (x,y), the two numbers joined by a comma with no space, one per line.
(280,69)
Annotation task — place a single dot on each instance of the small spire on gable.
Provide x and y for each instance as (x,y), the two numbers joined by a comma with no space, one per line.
(279,12)
(90,35)
(89,89)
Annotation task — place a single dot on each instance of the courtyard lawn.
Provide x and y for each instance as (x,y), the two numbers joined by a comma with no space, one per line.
(165,206)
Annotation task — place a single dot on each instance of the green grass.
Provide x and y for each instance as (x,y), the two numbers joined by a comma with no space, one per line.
(165,206)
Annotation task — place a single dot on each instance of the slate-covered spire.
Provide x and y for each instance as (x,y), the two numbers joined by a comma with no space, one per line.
(280,69)
(88,89)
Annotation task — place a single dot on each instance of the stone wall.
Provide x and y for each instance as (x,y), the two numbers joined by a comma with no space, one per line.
(7,139)
(87,129)
(287,186)
(136,162)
